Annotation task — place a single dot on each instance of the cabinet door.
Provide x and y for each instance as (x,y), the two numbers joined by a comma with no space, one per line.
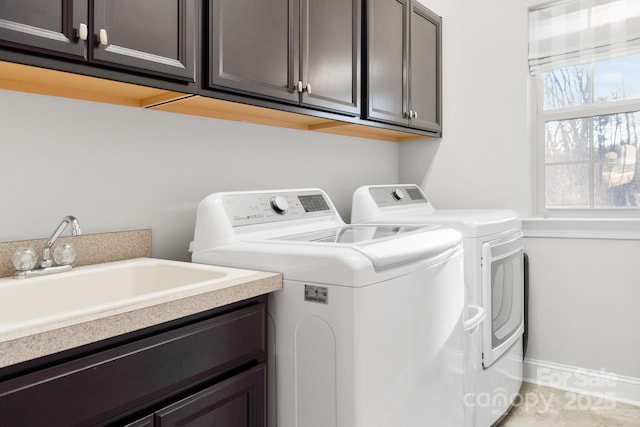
(44,26)
(143,422)
(425,69)
(330,42)
(387,24)
(239,401)
(152,36)
(253,47)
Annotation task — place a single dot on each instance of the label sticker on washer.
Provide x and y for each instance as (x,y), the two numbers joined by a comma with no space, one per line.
(316,294)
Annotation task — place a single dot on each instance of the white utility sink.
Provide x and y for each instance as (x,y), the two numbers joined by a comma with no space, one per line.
(83,291)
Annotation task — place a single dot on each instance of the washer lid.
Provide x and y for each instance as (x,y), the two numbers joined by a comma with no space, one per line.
(355,234)
(385,245)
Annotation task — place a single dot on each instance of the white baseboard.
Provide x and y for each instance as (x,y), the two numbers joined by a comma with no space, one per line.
(608,385)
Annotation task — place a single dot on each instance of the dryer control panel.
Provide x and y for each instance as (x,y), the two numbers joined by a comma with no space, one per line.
(262,207)
(388,195)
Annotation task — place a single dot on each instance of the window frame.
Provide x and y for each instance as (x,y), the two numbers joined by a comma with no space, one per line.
(539,118)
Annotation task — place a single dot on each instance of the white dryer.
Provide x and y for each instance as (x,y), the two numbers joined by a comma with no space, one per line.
(494,276)
(367,330)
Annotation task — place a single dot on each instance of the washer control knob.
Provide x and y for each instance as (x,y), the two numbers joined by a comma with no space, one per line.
(398,194)
(279,204)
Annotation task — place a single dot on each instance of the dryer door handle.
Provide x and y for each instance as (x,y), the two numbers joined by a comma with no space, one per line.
(470,325)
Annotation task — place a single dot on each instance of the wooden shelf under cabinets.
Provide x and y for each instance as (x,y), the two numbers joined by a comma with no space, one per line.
(24,78)
(220,109)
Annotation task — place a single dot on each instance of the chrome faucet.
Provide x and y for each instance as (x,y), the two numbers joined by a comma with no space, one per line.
(75,231)
(25,259)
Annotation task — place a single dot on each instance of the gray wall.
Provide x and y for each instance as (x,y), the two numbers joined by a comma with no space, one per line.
(482,160)
(118,168)
(584,302)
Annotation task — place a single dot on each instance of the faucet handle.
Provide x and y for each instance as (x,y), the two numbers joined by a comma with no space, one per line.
(24,259)
(64,254)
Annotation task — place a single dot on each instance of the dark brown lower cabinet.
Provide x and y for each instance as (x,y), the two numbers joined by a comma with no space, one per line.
(235,402)
(144,422)
(207,373)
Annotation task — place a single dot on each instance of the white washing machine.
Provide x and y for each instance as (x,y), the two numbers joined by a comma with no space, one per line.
(367,330)
(494,276)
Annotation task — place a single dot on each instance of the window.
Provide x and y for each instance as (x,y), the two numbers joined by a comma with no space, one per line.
(587,106)
(590,116)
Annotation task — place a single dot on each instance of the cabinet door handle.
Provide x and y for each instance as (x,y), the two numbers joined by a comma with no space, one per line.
(83,32)
(298,86)
(415,115)
(409,114)
(308,88)
(102,37)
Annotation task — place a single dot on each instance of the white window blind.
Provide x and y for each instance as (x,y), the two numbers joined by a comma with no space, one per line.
(581,31)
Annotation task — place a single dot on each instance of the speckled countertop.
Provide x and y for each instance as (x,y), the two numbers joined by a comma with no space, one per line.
(36,341)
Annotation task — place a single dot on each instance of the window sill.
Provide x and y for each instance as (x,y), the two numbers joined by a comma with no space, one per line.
(582,228)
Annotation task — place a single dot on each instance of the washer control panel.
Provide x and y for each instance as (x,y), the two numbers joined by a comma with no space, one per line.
(258,208)
(399,195)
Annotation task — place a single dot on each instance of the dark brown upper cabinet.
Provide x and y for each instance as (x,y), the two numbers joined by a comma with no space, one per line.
(156,37)
(300,51)
(404,64)
(45,26)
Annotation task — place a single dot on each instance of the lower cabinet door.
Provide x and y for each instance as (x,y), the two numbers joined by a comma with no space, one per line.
(143,422)
(239,401)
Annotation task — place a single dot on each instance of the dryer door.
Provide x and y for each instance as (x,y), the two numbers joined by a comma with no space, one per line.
(503,296)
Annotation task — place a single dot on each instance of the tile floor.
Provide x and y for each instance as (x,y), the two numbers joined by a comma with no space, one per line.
(548,407)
